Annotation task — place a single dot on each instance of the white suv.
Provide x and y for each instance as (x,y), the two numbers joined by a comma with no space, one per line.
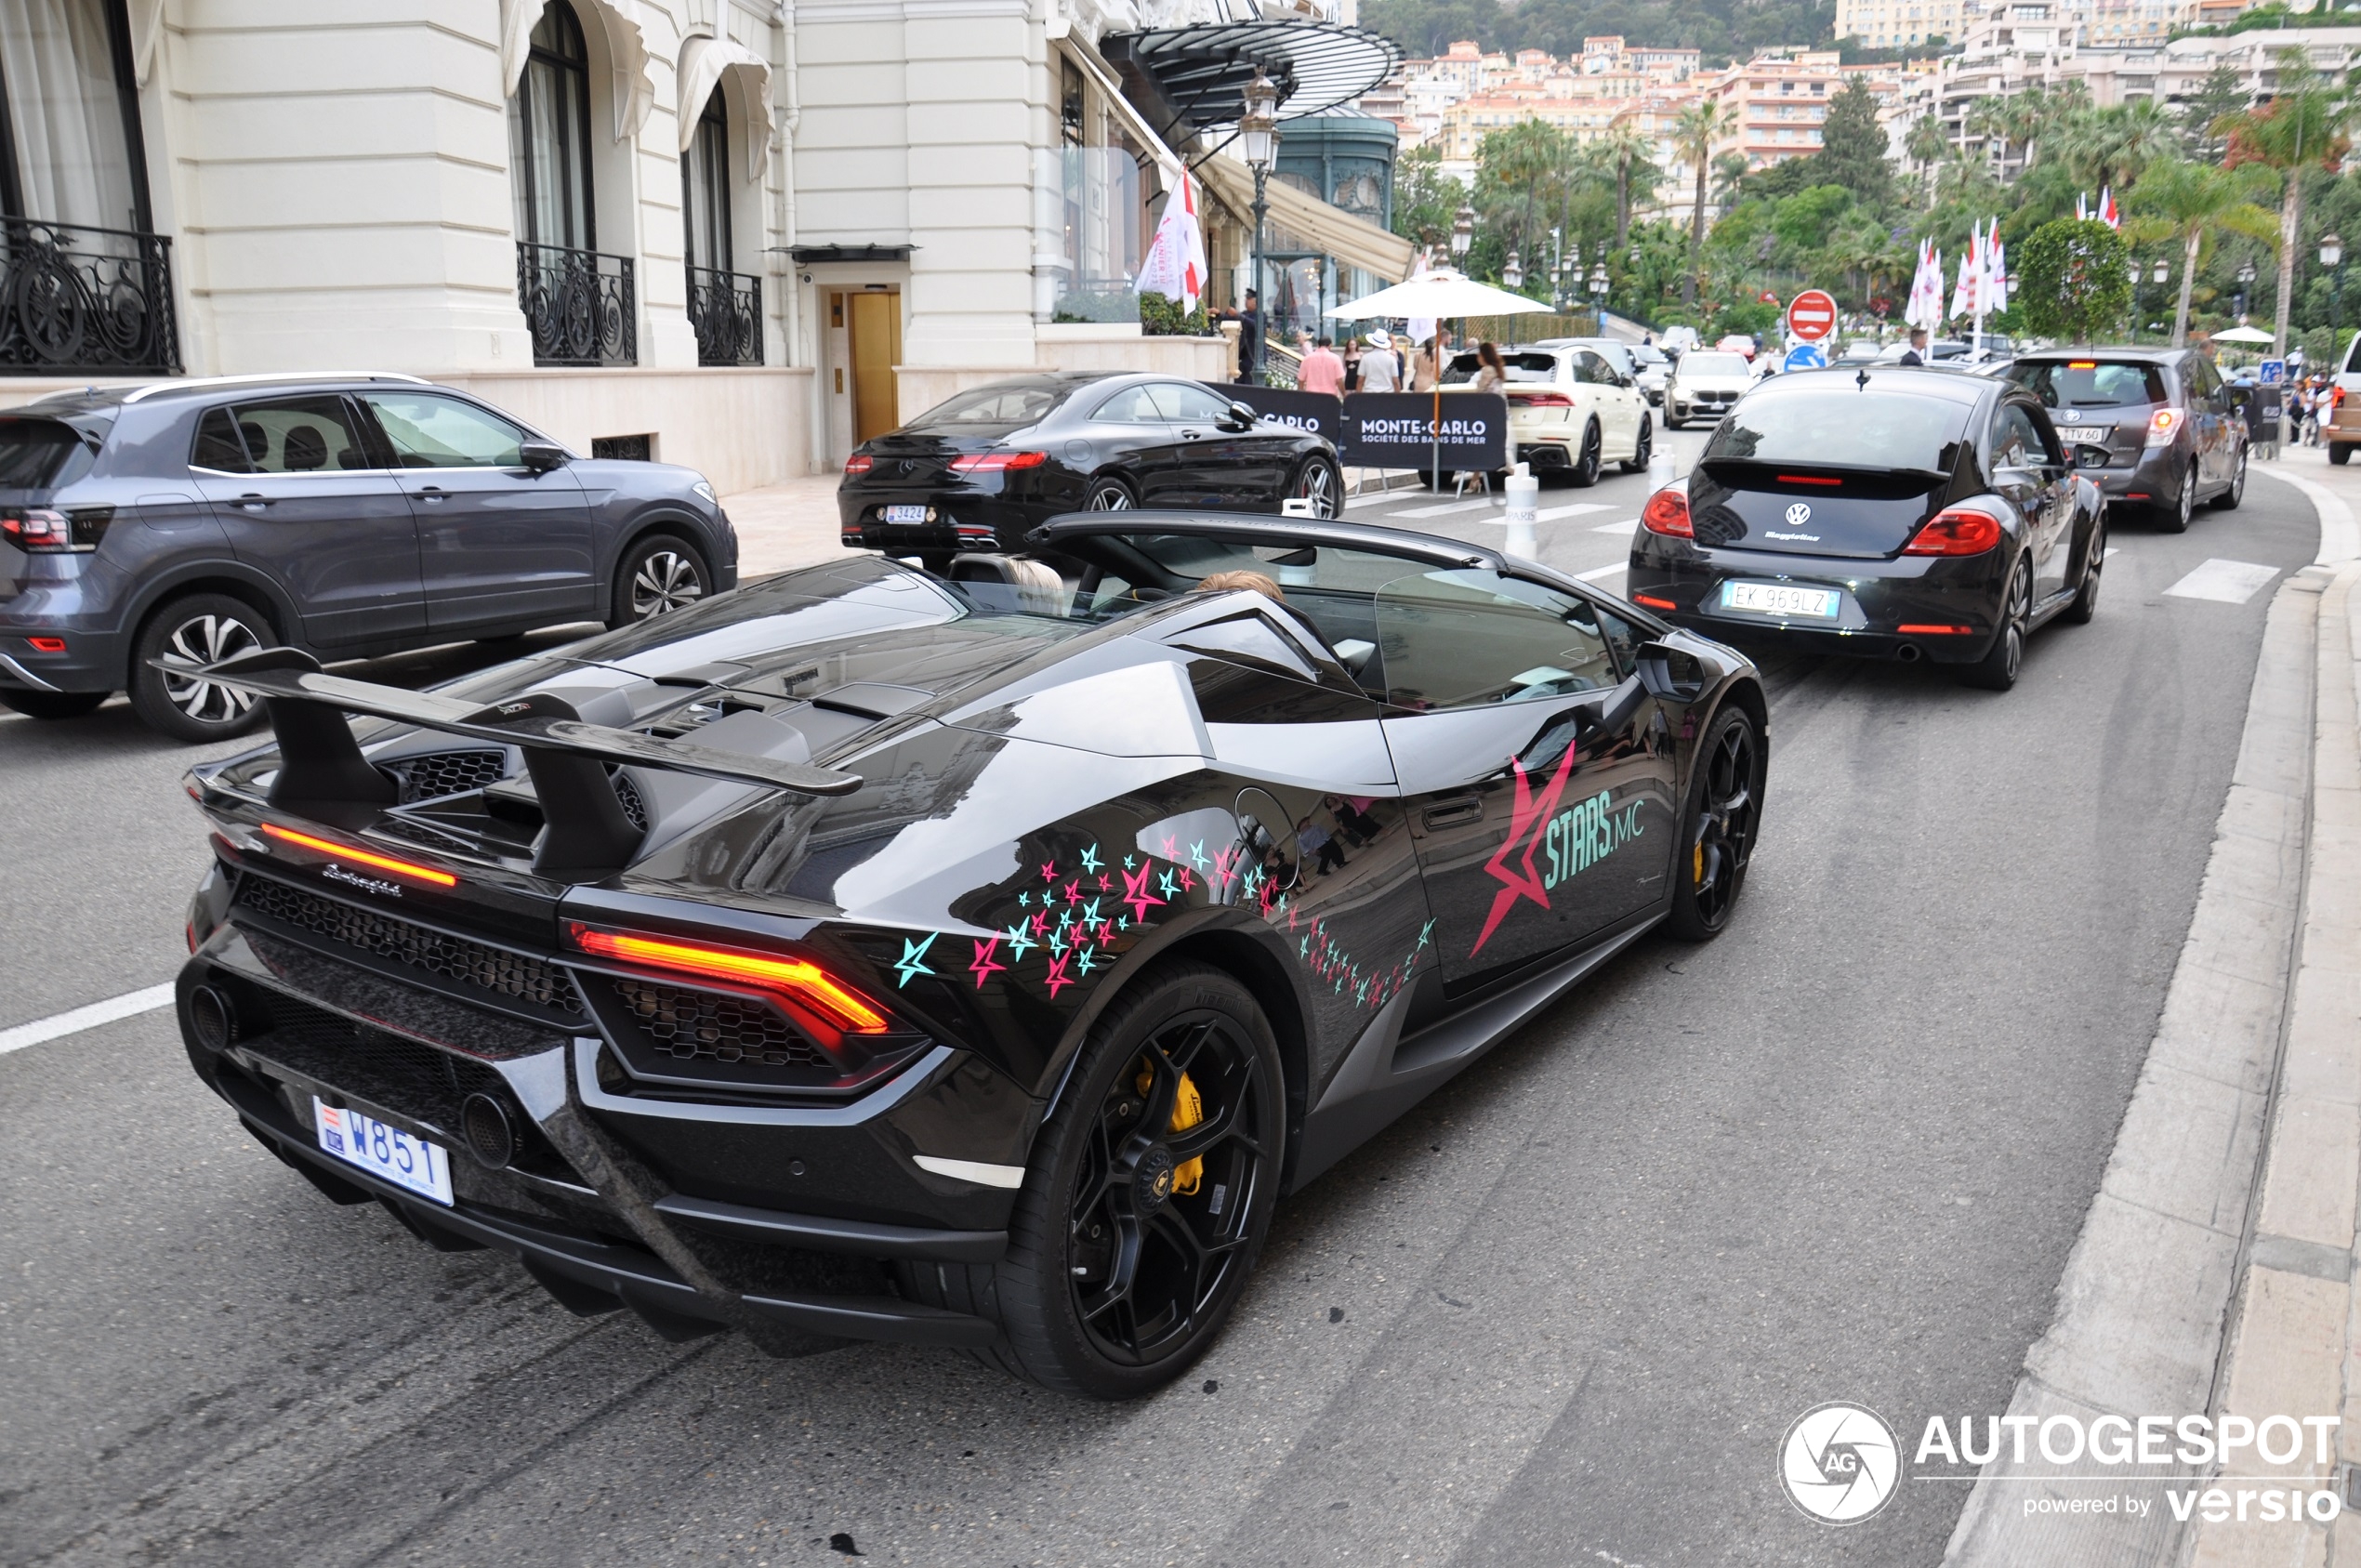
(1569,410)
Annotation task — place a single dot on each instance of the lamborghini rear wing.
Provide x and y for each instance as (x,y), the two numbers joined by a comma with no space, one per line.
(321,772)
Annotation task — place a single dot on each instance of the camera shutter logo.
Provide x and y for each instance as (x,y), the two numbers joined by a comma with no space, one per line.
(1841,1463)
(1799,514)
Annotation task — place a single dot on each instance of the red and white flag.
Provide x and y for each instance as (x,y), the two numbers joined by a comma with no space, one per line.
(1175,266)
(2108,213)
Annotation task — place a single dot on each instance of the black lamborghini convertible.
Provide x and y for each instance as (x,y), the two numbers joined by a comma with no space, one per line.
(968,959)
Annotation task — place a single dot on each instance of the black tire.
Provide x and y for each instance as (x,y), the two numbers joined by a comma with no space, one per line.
(2228,500)
(195,628)
(1587,466)
(1319,481)
(1098,1188)
(1674,422)
(1724,806)
(657,575)
(1643,449)
(1109,493)
(2339,453)
(2086,597)
(52,705)
(1996,671)
(2174,519)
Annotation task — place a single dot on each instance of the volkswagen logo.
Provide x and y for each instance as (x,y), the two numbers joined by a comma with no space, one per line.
(1797,515)
(1839,1462)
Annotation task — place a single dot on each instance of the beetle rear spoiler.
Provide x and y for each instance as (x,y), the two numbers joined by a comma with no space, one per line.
(323,771)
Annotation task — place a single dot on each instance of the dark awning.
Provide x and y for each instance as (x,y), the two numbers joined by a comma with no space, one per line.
(1198,75)
(806,255)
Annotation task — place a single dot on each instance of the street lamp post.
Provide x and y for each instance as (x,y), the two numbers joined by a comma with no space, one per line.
(2246,281)
(2134,270)
(1257,129)
(2163,273)
(1599,292)
(1463,235)
(2332,258)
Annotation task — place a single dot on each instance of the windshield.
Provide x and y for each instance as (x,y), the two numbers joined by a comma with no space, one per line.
(1647,355)
(2090,383)
(36,453)
(1518,367)
(1714,365)
(1008,403)
(1841,426)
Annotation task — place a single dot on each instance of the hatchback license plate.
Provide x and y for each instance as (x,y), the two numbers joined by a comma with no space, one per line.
(908,514)
(386,1152)
(1778,598)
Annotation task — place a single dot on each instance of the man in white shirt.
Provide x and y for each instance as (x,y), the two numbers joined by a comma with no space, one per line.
(1380,372)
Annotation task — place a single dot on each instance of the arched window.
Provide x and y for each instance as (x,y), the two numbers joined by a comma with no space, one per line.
(549,136)
(704,189)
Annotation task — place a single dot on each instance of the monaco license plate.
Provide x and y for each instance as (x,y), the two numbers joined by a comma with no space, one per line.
(386,1152)
(909,514)
(1779,598)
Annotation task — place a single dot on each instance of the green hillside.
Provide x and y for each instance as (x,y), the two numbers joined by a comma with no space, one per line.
(1721,28)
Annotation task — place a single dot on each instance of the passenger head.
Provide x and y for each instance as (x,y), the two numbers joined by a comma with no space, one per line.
(1488,354)
(1222,582)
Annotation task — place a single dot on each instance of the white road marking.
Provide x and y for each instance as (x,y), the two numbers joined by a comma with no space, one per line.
(2225,582)
(2110,552)
(1625,527)
(1482,503)
(1580,509)
(62,1025)
(1603,572)
(1374,496)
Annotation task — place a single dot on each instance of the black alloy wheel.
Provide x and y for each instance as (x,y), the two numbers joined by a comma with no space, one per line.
(2228,500)
(1110,493)
(51,704)
(1996,671)
(1146,1198)
(201,628)
(2086,597)
(2175,519)
(1587,466)
(1642,449)
(659,575)
(1319,482)
(1725,801)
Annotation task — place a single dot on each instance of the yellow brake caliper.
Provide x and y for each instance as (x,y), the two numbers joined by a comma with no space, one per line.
(1697,874)
(1188,1110)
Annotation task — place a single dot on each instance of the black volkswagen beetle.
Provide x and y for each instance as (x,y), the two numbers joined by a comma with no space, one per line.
(981,469)
(968,960)
(1886,512)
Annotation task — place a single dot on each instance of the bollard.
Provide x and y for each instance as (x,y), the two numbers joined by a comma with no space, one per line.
(1524,500)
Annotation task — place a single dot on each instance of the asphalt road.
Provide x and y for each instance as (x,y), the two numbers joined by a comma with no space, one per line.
(1561,1314)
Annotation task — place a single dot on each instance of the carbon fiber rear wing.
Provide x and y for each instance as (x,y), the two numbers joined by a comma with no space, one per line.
(322,773)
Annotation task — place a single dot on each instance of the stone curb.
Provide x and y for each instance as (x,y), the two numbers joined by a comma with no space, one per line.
(2146,1299)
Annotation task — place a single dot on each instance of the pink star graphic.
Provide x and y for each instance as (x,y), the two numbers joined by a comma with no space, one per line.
(983,968)
(1049,872)
(1136,894)
(1528,818)
(1058,976)
(1073,891)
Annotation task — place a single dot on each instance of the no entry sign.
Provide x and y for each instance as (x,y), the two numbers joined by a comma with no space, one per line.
(1812,315)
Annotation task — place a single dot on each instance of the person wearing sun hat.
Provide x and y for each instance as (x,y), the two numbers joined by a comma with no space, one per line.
(1380,372)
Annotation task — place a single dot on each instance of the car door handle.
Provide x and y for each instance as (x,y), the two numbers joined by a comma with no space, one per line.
(432,492)
(253,503)
(1451,813)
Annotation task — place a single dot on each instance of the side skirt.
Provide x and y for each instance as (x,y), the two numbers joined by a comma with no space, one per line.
(1384,1073)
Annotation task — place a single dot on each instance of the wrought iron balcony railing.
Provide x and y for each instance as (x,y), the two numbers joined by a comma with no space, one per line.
(726,310)
(81,299)
(582,307)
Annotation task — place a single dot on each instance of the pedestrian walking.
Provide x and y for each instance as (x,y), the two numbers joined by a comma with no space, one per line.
(1380,372)
(1323,371)
(1916,353)
(1491,375)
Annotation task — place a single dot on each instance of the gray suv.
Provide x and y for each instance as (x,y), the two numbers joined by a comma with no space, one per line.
(351,516)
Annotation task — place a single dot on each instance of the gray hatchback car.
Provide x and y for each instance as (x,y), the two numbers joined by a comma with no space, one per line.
(350,516)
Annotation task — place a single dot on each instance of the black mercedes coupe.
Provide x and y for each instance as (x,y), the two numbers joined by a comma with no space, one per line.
(981,469)
(967,959)
(1885,511)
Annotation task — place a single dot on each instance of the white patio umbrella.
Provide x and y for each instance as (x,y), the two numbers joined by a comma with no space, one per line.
(1430,297)
(2254,334)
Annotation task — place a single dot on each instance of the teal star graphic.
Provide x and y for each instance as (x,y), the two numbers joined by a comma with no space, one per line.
(913,957)
(1130,863)
(1090,861)
(1425,932)
(1196,854)
(1090,912)
(1057,941)
(1170,887)
(1024,899)
(1083,964)
(1303,948)
(1123,924)
(1019,938)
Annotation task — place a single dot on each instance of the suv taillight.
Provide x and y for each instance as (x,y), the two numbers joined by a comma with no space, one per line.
(47,532)
(2162,424)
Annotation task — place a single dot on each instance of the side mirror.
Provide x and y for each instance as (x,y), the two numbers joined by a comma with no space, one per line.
(1670,673)
(541,457)
(1239,417)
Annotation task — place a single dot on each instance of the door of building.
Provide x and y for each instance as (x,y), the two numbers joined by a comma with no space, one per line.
(871,319)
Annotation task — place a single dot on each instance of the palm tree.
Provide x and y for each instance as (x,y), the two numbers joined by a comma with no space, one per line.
(1625,152)
(2301,128)
(2180,200)
(1699,127)
(2111,146)
(1927,145)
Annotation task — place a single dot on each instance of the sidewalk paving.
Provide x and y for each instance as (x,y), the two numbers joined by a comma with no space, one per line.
(784,526)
